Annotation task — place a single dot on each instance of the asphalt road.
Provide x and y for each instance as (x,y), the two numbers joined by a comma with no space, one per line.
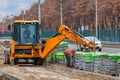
(104,49)
(111,50)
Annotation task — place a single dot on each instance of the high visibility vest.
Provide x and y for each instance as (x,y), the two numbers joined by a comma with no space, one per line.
(70,52)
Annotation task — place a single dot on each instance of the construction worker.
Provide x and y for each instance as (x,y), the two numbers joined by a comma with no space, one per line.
(69,53)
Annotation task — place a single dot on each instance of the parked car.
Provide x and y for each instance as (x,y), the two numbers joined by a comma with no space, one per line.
(96,40)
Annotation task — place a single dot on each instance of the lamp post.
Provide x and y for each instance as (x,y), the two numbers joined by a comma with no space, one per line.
(62,14)
(39,18)
(39,12)
(23,14)
(61,19)
(3,28)
(96,17)
(3,20)
(96,14)
(11,21)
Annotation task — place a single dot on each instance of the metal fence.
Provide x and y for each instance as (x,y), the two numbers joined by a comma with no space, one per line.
(6,35)
(104,35)
(48,34)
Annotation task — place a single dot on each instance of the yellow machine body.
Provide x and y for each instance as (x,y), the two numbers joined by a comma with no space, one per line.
(36,51)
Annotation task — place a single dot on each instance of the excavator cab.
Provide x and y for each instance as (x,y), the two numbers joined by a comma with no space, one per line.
(26,33)
(25,42)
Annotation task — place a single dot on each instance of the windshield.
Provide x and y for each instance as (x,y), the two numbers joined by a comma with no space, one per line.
(25,33)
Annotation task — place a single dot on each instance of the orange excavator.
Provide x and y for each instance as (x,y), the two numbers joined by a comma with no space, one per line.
(25,42)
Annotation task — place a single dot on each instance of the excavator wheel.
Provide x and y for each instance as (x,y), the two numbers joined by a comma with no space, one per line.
(35,61)
(8,60)
(38,61)
(15,61)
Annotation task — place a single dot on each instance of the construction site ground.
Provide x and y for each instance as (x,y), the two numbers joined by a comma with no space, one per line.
(48,72)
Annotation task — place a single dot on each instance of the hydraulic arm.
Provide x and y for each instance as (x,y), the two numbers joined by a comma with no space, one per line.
(65,32)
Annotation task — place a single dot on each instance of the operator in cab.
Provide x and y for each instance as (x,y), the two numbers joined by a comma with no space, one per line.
(26,34)
(69,53)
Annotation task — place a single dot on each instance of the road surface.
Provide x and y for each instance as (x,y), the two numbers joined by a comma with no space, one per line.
(104,49)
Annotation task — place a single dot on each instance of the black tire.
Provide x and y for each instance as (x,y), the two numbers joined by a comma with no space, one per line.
(15,61)
(8,60)
(35,61)
(100,49)
(82,49)
(38,61)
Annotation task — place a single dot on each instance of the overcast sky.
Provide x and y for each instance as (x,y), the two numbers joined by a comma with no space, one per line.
(14,7)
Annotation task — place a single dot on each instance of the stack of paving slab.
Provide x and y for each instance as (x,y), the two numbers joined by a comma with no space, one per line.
(118,67)
(61,47)
(58,55)
(84,61)
(79,60)
(99,62)
(89,61)
(109,64)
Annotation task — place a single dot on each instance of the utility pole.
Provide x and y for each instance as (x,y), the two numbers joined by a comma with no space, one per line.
(96,17)
(3,24)
(39,18)
(61,18)
(3,27)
